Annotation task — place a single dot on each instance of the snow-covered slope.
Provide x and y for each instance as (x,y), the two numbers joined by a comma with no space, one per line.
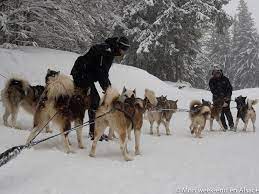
(167,165)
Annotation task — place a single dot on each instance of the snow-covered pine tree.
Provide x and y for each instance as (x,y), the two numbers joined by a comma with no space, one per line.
(43,23)
(166,34)
(245,62)
(219,50)
(62,24)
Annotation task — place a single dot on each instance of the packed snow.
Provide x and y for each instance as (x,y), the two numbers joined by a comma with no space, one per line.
(219,162)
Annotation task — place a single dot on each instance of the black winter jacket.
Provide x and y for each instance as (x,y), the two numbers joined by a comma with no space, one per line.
(220,87)
(95,65)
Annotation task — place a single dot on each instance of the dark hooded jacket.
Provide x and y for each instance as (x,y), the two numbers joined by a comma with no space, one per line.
(95,64)
(220,87)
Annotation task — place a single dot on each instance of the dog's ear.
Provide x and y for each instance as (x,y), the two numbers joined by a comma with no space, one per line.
(176,101)
(203,100)
(124,89)
(134,91)
(48,71)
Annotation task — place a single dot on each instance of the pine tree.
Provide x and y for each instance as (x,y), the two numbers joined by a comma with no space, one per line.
(245,62)
(166,34)
(219,50)
(62,24)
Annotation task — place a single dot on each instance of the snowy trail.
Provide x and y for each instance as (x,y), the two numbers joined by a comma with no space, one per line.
(220,160)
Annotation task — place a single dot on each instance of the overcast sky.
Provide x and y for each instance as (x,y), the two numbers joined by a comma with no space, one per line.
(253,6)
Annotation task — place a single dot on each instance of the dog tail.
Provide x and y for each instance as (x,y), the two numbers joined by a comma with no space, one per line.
(15,89)
(110,96)
(252,103)
(60,85)
(151,96)
(195,105)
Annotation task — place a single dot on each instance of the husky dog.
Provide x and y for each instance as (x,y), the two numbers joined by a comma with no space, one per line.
(245,111)
(121,117)
(65,103)
(163,114)
(19,93)
(126,93)
(199,113)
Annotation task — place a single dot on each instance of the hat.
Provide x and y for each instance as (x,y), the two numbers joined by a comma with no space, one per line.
(123,43)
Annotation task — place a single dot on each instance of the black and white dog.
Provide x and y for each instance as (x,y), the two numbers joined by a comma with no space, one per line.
(245,111)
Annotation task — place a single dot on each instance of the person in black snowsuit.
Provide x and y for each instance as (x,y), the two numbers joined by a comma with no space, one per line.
(221,87)
(94,67)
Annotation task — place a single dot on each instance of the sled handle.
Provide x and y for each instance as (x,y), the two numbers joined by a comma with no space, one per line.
(11,154)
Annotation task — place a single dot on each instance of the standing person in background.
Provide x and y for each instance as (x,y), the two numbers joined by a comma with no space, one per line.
(221,87)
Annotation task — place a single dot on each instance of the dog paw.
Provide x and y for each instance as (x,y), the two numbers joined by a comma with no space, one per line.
(92,154)
(137,153)
(81,147)
(70,152)
(128,158)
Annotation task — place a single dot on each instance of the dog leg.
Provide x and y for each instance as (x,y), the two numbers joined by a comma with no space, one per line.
(137,141)
(253,121)
(191,126)
(33,133)
(211,124)
(236,124)
(14,117)
(157,128)
(129,134)
(151,127)
(111,133)
(123,145)
(65,127)
(98,132)
(79,122)
(167,127)
(195,129)
(199,130)
(5,117)
(220,124)
(48,129)
(245,126)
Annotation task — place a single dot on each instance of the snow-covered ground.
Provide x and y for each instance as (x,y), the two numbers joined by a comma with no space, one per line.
(168,164)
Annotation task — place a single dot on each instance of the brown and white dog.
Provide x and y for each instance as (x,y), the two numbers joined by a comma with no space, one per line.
(162,113)
(199,113)
(121,117)
(65,103)
(245,111)
(216,109)
(19,93)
